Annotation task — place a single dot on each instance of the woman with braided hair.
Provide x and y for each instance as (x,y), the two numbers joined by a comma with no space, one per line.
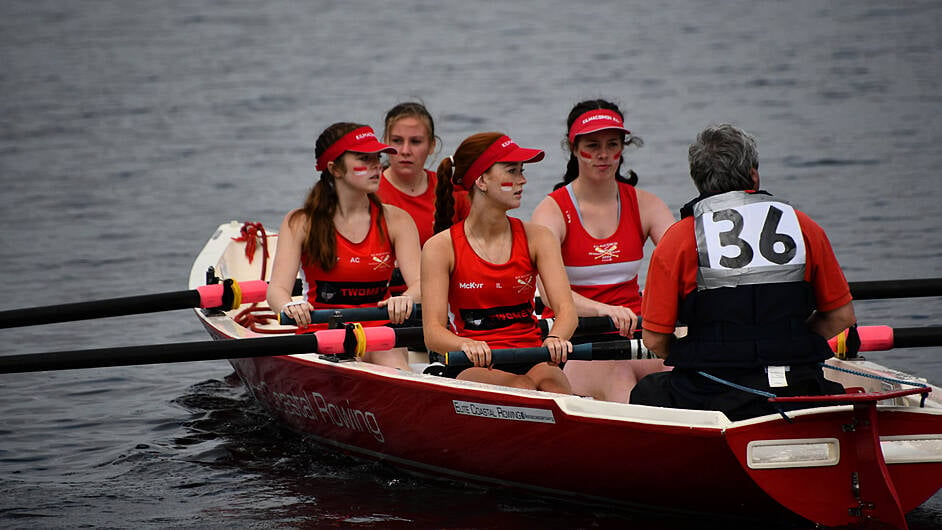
(602,222)
(479,275)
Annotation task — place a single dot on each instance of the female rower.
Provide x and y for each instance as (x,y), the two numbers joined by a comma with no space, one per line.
(345,241)
(602,223)
(406,183)
(482,271)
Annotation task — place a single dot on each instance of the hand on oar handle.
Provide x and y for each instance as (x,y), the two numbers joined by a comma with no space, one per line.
(599,351)
(350,314)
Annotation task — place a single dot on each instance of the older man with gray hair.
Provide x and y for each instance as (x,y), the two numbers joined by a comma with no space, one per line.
(754,280)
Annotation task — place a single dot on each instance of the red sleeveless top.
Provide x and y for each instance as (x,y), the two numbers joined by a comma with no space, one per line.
(494,302)
(361,276)
(605,270)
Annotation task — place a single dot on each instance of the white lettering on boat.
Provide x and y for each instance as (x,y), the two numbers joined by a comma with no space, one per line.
(317,408)
(502,412)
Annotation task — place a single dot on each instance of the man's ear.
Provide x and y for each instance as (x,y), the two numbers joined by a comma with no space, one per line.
(755,178)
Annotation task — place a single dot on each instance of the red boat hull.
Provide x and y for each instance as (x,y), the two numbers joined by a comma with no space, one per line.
(477,435)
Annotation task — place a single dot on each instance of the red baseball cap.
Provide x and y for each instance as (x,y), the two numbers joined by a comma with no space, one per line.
(503,150)
(596,120)
(362,140)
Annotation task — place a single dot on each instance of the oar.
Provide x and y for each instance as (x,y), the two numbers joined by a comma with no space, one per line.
(586,325)
(880,289)
(597,351)
(351,314)
(329,341)
(226,295)
(883,338)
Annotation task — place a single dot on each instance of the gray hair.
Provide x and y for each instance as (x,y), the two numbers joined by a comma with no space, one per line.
(722,159)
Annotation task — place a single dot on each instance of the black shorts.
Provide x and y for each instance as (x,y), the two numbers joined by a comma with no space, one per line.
(687,389)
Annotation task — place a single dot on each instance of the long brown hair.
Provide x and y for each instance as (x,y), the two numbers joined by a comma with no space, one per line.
(319,245)
(453,168)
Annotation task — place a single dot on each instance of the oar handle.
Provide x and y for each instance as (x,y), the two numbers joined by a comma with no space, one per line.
(593,351)
(351,314)
(223,295)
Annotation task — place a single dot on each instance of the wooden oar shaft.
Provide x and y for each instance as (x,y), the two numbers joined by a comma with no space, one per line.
(880,289)
(329,341)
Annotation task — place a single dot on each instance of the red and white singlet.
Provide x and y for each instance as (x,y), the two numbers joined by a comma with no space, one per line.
(361,276)
(605,270)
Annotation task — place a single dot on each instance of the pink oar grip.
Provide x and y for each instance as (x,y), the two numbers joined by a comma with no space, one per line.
(872,338)
(875,338)
(210,295)
(254,291)
(330,341)
(380,338)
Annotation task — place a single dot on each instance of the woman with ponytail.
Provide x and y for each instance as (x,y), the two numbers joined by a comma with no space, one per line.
(602,221)
(481,272)
(345,241)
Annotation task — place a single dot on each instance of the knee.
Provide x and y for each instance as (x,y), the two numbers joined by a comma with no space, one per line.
(523,382)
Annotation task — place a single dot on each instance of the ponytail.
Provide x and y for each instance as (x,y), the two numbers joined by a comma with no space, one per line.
(444,196)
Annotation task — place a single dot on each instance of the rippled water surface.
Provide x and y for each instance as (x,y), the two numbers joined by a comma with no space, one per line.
(129,130)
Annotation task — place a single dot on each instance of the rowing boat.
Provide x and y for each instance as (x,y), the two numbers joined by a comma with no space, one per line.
(871,455)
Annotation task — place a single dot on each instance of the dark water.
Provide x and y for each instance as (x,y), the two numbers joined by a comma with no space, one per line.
(129,130)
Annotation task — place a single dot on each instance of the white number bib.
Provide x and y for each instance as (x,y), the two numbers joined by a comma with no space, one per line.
(746,239)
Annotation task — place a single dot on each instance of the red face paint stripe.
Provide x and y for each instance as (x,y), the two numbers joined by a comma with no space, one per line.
(583,154)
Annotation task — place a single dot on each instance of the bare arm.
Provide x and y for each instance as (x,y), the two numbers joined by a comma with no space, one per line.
(656,217)
(285,270)
(659,343)
(830,323)
(548,214)
(544,250)
(405,241)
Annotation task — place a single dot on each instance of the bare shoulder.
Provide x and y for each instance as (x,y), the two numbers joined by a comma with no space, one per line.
(395,213)
(295,221)
(650,200)
(547,210)
(438,243)
(548,214)
(539,233)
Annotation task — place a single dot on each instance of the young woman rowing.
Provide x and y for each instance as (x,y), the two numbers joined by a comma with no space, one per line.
(406,183)
(479,275)
(345,241)
(602,222)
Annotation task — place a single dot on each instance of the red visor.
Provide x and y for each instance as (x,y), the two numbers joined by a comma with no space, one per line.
(503,150)
(596,120)
(362,140)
